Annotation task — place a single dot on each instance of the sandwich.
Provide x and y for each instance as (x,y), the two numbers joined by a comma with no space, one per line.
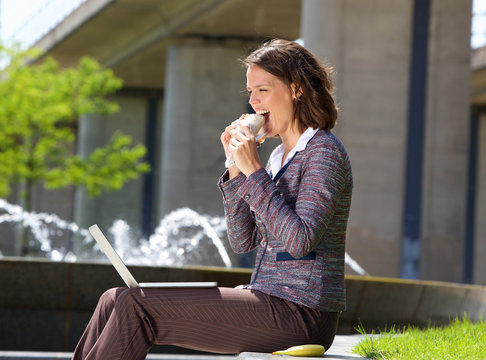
(255,122)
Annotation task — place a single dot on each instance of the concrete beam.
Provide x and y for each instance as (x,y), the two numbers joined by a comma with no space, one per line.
(186,15)
(132,36)
(71,23)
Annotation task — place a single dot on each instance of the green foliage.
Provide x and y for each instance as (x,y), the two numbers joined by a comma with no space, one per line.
(461,339)
(39,109)
(106,168)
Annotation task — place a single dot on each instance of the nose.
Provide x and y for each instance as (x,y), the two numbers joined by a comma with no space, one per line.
(253,99)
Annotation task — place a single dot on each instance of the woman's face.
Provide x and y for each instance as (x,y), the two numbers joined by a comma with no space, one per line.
(271,97)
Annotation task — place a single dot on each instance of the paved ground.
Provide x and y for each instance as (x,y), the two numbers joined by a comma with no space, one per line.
(342,347)
(340,350)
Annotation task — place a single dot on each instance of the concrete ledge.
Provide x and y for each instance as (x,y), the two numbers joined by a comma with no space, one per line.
(377,302)
(57,300)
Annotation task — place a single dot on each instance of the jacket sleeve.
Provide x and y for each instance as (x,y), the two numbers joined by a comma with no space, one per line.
(300,228)
(243,234)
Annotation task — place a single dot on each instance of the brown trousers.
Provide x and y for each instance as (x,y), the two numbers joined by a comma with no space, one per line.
(127,322)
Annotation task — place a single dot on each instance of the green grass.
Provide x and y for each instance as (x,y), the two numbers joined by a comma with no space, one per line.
(461,339)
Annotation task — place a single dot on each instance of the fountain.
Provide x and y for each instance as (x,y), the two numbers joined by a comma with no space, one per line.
(43,226)
(173,243)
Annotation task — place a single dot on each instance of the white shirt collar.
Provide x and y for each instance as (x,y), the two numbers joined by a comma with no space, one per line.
(277,154)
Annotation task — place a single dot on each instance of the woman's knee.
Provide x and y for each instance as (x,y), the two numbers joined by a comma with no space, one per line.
(109,297)
(127,297)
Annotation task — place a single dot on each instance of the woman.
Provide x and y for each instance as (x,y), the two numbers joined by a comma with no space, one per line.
(295,213)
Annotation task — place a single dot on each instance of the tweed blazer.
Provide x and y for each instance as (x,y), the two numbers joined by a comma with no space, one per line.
(297,223)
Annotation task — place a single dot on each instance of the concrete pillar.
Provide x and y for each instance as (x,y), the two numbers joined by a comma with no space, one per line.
(205,91)
(479,271)
(447,140)
(369,43)
(95,131)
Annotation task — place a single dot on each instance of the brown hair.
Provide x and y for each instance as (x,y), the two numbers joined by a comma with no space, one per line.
(294,64)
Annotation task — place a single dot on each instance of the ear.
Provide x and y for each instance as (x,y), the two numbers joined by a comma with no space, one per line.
(296,91)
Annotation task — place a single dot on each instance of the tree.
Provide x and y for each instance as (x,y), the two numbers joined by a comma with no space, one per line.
(40,105)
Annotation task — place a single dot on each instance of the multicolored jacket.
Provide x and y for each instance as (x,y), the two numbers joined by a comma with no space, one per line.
(298,223)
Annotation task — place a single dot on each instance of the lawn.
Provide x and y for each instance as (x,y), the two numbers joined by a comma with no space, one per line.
(461,339)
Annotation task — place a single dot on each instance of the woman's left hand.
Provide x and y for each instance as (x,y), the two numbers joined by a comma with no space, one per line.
(243,147)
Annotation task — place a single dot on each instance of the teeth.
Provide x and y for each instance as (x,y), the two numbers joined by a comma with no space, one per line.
(261,112)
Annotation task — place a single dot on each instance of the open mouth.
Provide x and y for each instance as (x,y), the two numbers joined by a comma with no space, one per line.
(261,136)
(265,113)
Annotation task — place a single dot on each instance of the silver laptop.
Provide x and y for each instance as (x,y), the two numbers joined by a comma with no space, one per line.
(126,275)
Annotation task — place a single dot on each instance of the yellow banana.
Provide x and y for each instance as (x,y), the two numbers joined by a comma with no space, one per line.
(302,350)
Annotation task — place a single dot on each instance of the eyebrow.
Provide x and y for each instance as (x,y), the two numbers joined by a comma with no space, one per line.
(257,86)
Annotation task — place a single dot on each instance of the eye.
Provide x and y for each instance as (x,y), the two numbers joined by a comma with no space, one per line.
(259,90)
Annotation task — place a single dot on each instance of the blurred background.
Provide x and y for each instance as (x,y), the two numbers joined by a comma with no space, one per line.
(410,81)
